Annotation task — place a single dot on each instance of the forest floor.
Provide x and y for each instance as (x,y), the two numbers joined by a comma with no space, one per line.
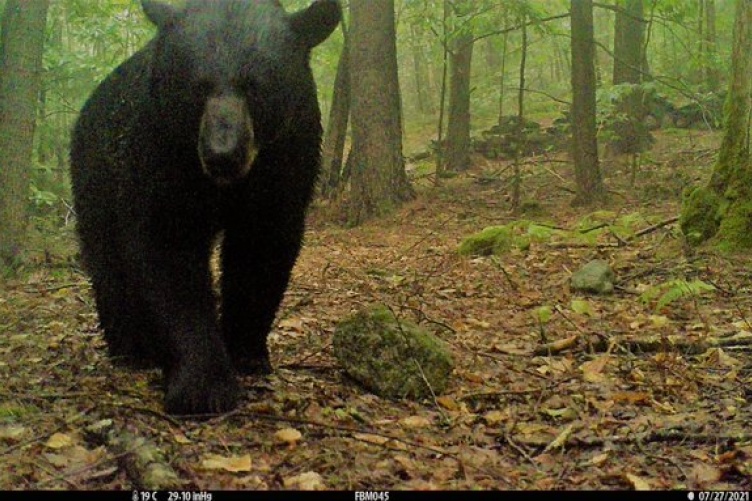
(610,392)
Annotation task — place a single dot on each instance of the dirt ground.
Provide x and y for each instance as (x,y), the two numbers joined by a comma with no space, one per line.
(605,392)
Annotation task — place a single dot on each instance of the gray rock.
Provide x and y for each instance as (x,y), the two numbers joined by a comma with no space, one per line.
(391,358)
(596,276)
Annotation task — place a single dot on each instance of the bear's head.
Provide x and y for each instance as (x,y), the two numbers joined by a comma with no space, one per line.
(233,76)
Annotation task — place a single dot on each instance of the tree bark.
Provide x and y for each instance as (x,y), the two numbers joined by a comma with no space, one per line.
(379,182)
(629,34)
(711,70)
(588,177)
(425,105)
(333,148)
(504,54)
(440,149)
(723,209)
(21,47)
(520,139)
(458,126)
(733,157)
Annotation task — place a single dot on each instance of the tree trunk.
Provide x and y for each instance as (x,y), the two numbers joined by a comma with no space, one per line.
(628,42)
(520,139)
(723,209)
(332,151)
(379,182)
(584,145)
(711,70)
(629,34)
(21,49)
(440,150)
(458,126)
(419,67)
(504,47)
(701,56)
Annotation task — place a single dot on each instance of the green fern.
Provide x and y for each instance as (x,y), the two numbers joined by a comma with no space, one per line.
(674,290)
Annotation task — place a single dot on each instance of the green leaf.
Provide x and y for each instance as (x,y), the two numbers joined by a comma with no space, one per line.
(673,290)
(582,307)
(543,314)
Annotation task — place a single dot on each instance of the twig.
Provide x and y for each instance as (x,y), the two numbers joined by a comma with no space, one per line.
(53,288)
(651,229)
(520,450)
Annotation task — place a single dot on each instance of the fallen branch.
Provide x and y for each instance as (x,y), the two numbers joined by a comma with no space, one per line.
(656,344)
(656,226)
(144,462)
(655,436)
(648,345)
(556,346)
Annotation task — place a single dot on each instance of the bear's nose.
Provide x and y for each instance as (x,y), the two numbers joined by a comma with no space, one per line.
(226,143)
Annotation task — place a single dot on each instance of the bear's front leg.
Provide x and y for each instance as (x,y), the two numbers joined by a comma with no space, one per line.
(257,258)
(176,283)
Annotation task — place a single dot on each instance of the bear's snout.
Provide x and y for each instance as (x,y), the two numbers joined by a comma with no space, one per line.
(226,144)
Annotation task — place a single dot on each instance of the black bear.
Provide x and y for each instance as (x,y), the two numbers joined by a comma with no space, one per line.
(213,127)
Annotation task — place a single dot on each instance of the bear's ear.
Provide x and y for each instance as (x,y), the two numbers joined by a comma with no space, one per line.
(314,24)
(161,14)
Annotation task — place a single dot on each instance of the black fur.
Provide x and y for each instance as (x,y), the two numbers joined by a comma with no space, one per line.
(148,213)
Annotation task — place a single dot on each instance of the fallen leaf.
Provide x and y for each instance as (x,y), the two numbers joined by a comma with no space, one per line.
(76,456)
(704,475)
(582,307)
(631,397)
(592,370)
(638,483)
(405,462)
(415,422)
(370,438)
(12,433)
(531,428)
(473,378)
(181,439)
(495,417)
(59,440)
(599,460)
(232,464)
(543,314)
(718,357)
(561,439)
(58,460)
(293,324)
(288,435)
(561,366)
(565,413)
(659,320)
(448,403)
(308,481)
(558,345)
(478,323)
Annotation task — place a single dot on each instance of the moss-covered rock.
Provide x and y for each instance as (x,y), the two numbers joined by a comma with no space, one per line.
(392,358)
(700,214)
(495,240)
(596,276)
(486,242)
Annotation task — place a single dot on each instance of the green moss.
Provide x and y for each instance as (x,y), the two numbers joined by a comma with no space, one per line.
(498,240)
(700,214)
(393,358)
(735,231)
(15,411)
(492,240)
